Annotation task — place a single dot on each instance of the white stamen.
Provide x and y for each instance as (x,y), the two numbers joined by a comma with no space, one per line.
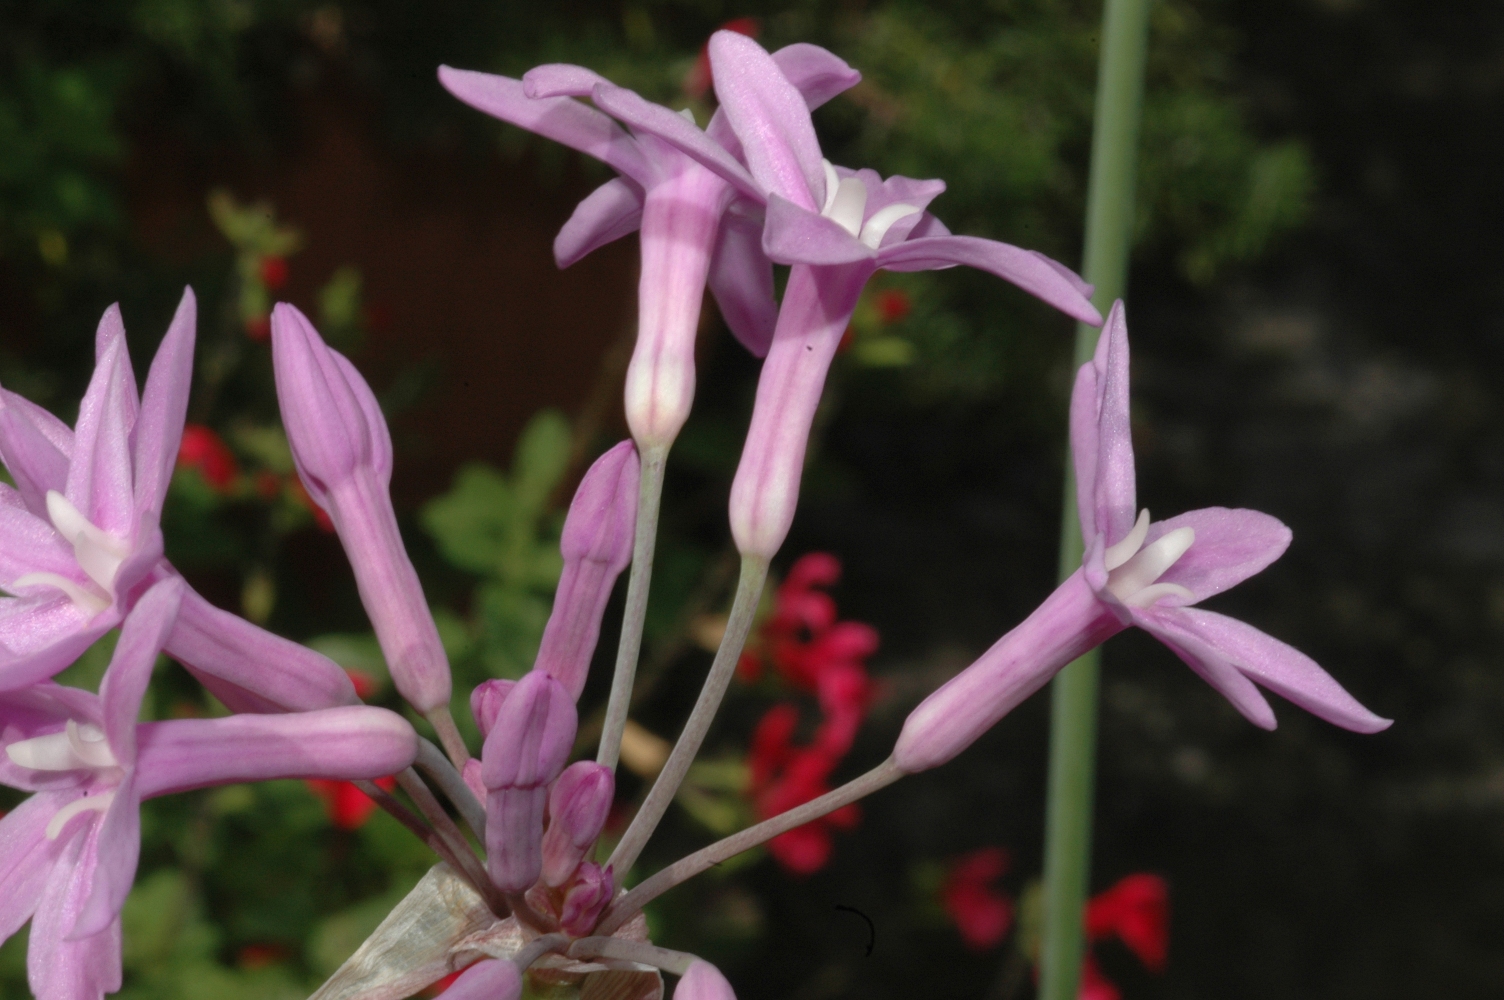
(1145,598)
(882,220)
(849,205)
(688,115)
(90,744)
(77,747)
(99,553)
(79,594)
(832,181)
(1146,567)
(97,803)
(1120,553)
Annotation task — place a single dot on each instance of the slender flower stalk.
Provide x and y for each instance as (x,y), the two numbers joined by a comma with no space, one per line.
(743,609)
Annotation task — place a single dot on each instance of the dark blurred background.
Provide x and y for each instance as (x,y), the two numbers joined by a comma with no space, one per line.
(1314,306)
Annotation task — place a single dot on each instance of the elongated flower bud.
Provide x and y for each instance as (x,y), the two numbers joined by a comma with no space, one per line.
(488,979)
(596,545)
(485,702)
(585,899)
(577,808)
(703,981)
(343,452)
(526,749)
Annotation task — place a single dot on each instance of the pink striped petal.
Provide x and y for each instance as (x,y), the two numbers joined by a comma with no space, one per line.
(1231,545)
(40,636)
(610,212)
(741,279)
(488,979)
(58,967)
(1021,267)
(35,446)
(141,639)
(164,407)
(101,482)
(26,857)
(1169,626)
(118,850)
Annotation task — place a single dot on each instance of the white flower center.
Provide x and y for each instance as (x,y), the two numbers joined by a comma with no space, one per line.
(98,552)
(846,203)
(79,747)
(1132,569)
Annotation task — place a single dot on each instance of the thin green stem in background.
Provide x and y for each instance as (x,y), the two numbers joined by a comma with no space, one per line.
(1073,721)
(649,495)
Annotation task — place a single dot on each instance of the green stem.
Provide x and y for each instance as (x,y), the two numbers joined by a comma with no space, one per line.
(738,623)
(1073,723)
(649,494)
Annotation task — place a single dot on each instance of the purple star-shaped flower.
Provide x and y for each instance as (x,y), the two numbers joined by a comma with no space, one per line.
(68,854)
(79,535)
(837,227)
(1134,572)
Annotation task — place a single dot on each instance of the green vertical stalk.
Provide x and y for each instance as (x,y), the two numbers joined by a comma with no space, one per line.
(1073,709)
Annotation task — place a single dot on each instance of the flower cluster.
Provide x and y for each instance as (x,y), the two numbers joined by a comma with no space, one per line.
(715,208)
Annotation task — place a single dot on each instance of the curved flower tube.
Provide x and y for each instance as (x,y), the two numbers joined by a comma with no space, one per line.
(1134,572)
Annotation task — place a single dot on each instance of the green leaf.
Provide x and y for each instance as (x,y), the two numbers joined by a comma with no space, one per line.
(541,458)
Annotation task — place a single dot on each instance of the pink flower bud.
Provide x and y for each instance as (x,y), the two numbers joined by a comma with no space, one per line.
(488,979)
(343,453)
(585,899)
(703,981)
(485,702)
(597,545)
(525,750)
(577,808)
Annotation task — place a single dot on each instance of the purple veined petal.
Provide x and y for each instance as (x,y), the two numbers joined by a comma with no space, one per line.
(1086,407)
(488,979)
(560,80)
(30,448)
(818,74)
(250,669)
(1115,485)
(898,190)
(793,235)
(117,852)
(1169,626)
(485,703)
(585,898)
(1279,667)
(610,212)
(741,279)
(29,544)
(530,741)
(561,119)
(380,435)
(770,118)
(349,743)
(138,569)
(1231,545)
(1066,273)
(927,226)
(578,804)
(57,967)
(101,482)
(654,119)
(41,636)
(1011,263)
(703,981)
(164,407)
(141,639)
(514,836)
(26,857)
(111,330)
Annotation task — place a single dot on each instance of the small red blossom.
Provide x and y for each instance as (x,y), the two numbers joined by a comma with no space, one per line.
(1094,985)
(893,304)
(206,451)
(982,913)
(259,956)
(699,80)
(365,684)
(259,328)
(783,776)
(348,806)
(1137,911)
(273,272)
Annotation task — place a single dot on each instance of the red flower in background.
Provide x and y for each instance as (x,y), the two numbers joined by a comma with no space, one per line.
(698,81)
(273,272)
(259,329)
(892,304)
(205,451)
(1137,912)
(813,652)
(348,807)
(982,913)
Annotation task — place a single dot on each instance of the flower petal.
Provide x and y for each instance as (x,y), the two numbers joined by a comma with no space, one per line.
(346,744)
(1231,545)
(655,119)
(560,80)
(818,74)
(1169,626)
(1021,267)
(741,279)
(1114,490)
(40,636)
(36,447)
(770,118)
(164,407)
(25,857)
(488,979)
(562,119)
(40,710)
(100,478)
(29,544)
(117,853)
(141,639)
(57,967)
(793,235)
(1281,668)
(1086,405)
(610,212)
